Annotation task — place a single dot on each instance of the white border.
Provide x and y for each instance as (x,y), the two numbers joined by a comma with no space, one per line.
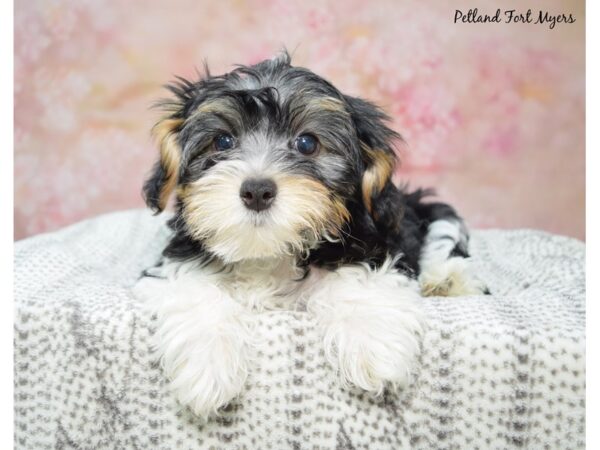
(6,224)
(592,221)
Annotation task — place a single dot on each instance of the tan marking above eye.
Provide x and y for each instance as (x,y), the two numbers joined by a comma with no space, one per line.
(331,104)
(211,106)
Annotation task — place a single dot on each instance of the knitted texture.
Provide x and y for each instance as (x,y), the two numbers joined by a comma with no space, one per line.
(499,371)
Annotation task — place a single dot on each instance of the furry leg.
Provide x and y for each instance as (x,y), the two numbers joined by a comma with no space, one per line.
(372,325)
(202,338)
(444,263)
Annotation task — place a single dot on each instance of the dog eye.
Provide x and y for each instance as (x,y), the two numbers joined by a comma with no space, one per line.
(306,144)
(223,142)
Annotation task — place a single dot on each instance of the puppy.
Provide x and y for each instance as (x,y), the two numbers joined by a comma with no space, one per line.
(284,199)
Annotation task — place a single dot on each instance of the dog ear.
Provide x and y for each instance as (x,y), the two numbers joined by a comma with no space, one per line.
(163,180)
(160,184)
(379,158)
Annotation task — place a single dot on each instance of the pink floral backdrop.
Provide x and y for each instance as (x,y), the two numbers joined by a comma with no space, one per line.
(493,114)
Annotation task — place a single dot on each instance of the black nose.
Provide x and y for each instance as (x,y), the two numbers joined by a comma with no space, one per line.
(258,194)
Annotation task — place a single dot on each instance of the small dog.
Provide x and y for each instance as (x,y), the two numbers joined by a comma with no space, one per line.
(284,199)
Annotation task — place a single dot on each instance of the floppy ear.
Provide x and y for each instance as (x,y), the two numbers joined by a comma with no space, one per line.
(376,141)
(163,180)
(160,184)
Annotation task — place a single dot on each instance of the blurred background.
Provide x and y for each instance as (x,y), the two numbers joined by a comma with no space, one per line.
(493,114)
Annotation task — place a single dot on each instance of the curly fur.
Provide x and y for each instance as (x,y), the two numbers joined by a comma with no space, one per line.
(340,239)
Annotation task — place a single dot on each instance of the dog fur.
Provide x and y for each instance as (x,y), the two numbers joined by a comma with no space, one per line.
(338,239)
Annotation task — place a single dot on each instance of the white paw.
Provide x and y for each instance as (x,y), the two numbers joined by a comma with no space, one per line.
(450,278)
(205,376)
(372,326)
(202,339)
(372,353)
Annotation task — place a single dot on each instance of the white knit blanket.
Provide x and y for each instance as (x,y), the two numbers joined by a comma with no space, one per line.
(498,371)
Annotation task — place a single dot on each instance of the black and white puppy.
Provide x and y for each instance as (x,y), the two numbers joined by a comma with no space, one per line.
(284,199)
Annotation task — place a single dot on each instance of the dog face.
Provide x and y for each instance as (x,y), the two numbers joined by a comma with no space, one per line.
(266,160)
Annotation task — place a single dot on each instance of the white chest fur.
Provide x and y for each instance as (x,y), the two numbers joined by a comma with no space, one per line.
(261,284)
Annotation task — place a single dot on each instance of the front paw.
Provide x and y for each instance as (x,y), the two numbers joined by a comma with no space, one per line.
(376,348)
(207,376)
(203,340)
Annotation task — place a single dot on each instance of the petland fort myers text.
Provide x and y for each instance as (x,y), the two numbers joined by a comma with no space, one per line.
(514,16)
